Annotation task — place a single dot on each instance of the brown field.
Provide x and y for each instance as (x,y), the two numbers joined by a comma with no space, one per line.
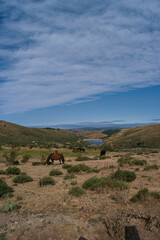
(49,212)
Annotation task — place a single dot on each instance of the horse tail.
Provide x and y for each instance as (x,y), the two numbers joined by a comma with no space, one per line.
(49,157)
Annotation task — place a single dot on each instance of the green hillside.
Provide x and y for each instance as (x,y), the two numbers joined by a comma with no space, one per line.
(145,136)
(13,134)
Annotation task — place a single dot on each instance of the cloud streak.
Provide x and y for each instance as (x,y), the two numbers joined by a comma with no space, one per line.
(61,52)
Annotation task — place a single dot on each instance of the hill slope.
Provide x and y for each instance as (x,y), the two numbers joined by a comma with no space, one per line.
(145,136)
(13,134)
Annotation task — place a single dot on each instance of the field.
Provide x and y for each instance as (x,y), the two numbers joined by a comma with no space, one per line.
(100,213)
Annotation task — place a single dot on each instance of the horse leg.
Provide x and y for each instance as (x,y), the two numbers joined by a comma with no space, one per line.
(59,161)
(52,162)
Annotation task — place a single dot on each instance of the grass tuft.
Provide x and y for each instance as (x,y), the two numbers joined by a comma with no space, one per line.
(76,191)
(55,172)
(46,181)
(22,178)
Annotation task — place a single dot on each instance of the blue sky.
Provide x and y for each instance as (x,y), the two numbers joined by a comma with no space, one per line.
(79,61)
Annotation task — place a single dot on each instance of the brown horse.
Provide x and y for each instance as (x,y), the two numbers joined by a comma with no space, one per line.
(55,156)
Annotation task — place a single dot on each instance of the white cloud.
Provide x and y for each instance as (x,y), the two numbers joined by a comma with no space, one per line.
(58,53)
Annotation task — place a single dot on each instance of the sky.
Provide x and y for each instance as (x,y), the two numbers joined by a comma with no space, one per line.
(88,61)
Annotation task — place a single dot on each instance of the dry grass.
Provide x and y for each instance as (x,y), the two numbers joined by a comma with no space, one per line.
(69,212)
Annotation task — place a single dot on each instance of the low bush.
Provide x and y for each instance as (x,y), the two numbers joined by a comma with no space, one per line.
(10,206)
(83,158)
(124,160)
(112,166)
(69,176)
(2,172)
(137,169)
(66,166)
(11,156)
(46,181)
(78,168)
(140,196)
(22,178)
(94,183)
(155,195)
(125,175)
(25,158)
(4,188)
(76,191)
(37,163)
(74,183)
(13,171)
(151,167)
(138,162)
(55,172)
(96,170)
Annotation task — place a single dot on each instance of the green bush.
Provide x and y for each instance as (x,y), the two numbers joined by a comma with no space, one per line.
(2,172)
(74,183)
(96,170)
(37,163)
(83,158)
(22,178)
(140,196)
(46,181)
(78,168)
(155,195)
(10,206)
(137,169)
(125,175)
(4,188)
(76,191)
(25,158)
(13,171)
(94,183)
(151,167)
(66,166)
(11,156)
(138,162)
(69,176)
(55,172)
(124,160)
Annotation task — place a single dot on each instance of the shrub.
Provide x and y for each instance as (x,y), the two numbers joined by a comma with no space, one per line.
(37,163)
(141,195)
(151,167)
(2,172)
(96,170)
(138,162)
(83,158)
(69,176)
(155,195)
(55,172)
(76,191)
(73,183)
(13,171)
(15,163)
(22,178)
(125,175)
(124,160)
(11,156)
(78,168)
(4,188)
(137,169)
(46,181)
(66,166)
(25,158)
(10,206)
(111,167)
(94,183)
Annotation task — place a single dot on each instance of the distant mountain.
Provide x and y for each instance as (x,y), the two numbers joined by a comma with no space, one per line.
(94,125)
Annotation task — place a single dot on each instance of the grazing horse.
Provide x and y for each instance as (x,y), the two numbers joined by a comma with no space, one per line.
(103,152)
(78,149)
(55,156)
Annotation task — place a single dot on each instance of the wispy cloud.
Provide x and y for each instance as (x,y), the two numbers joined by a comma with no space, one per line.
(57,52)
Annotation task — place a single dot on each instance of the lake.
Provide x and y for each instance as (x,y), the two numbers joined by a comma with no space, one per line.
(96,141)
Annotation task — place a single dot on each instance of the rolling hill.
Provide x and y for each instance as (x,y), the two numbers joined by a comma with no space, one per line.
(13,134)
(145,136)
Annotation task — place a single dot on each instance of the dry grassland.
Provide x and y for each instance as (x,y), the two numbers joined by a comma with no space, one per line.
(49,212)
